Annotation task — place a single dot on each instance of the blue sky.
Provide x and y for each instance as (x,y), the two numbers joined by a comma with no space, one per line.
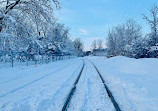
(91,19)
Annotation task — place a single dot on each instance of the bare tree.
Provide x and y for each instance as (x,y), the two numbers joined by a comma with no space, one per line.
(100,44)
(94,45)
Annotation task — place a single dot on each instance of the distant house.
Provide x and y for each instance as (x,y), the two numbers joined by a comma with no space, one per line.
(99,52)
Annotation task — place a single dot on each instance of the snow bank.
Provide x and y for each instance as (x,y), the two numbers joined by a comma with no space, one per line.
(132,81)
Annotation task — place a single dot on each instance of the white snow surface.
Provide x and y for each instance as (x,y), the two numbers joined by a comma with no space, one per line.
(133,83)
(37,89)
(90,93)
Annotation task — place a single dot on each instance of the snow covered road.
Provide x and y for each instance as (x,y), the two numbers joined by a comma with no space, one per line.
(47,86)
(39,88)
(90,94)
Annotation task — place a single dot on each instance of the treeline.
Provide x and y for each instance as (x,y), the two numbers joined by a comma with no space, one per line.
(30,26)
(127,39)
(97,45)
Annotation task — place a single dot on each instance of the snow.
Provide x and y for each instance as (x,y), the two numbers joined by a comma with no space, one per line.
(132,81)
(37,88)
(46,87)
(90,94)
(153,48)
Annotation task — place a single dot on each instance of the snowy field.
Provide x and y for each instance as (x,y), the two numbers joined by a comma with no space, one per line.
(45,87)
(42,88)
(133,82)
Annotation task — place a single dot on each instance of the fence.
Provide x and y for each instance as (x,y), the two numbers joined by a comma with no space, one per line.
(24,58)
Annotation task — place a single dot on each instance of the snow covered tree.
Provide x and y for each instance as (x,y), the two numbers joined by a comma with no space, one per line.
(152,42)
(111,43)
(28,20)
(154,25)
(78,45)
(29,26)
(35,9)
(122,39)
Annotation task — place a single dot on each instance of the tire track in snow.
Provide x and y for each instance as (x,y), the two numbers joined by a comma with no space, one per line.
(48,103)
(108,90)
(18,77)
(84,105)
(36,80)
(90,96)
(87,90)
(67,102)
